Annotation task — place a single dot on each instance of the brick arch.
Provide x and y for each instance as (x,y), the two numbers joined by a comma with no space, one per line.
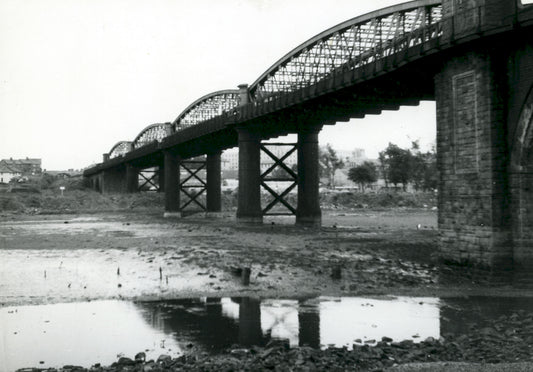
(521,183)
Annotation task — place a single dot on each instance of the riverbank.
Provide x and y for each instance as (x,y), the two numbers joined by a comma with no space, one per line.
(136,254)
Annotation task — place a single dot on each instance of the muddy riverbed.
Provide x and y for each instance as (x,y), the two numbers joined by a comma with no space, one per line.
(64,258)
(133,258)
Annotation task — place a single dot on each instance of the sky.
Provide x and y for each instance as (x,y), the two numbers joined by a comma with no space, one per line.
(78,76)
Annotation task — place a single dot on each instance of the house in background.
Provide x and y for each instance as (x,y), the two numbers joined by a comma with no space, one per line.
(11,168)
(7,173)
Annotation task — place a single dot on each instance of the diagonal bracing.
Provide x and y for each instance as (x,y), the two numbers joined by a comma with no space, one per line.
(288,176)
(193,186)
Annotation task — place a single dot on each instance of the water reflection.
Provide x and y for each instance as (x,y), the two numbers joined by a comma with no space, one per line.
(77,334)
(98,332)
(215,324)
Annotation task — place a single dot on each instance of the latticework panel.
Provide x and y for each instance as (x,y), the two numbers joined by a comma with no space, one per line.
(120,149)
(350,45)
(207,107)
(154,132)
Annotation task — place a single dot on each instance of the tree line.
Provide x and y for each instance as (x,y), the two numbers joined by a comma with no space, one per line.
(396,166)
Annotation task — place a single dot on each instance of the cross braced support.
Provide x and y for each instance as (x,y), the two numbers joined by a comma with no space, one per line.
(193,169)
(147,178)
(291,176)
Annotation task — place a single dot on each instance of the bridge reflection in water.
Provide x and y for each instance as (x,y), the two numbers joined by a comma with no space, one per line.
(86,333)
(215,324)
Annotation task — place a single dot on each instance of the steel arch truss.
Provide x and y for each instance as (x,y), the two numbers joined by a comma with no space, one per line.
(120,149)
(350,45)
(207,107)
(154,132)
(346,47)
(193,185)
(288,176)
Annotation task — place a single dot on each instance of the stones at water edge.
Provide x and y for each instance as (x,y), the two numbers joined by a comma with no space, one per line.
(163,358)
(124,361)
(140,357)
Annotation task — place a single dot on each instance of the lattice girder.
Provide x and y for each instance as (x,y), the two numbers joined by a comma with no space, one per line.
(120,149)
(154,132)
(345,47)
(207,107)
(350,45)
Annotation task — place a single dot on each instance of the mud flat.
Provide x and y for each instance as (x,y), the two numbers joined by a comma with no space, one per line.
(143,258)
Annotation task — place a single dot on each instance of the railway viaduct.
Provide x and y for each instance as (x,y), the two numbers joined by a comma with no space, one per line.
(473,57)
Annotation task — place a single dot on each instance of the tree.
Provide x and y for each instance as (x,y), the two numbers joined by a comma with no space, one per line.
(279,172)
(363,174)
(383,168)
(431,173)
(329,162)
(424,169)
(397,165)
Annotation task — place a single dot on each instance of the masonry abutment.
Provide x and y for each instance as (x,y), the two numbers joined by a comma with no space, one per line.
(172,184)
(214,182)
(474,225)
(249,196)
(308,208)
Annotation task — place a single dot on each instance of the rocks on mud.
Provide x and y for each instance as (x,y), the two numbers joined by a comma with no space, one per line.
(140,357)
(164,358)
(124,361)
(507,339)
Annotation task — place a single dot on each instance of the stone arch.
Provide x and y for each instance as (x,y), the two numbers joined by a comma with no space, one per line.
(521,183)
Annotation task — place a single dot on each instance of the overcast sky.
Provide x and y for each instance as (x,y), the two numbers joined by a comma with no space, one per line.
(77,76)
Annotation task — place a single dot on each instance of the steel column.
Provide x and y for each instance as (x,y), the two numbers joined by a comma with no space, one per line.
(132,179)
(161,178)
(249,198)
(308,210)
(214,186)
(172,185)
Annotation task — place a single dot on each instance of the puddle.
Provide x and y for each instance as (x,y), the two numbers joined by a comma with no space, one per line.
(77,334)
(101,331)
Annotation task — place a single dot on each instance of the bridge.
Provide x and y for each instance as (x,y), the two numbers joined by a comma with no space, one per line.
(473,57)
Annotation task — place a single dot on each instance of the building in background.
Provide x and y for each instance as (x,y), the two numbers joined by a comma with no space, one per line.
(14,168)
(7,173)
(352,158)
